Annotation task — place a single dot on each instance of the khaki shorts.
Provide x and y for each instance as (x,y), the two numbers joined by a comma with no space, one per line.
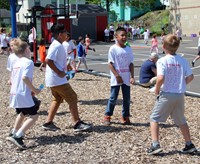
(169,104)
(64,92)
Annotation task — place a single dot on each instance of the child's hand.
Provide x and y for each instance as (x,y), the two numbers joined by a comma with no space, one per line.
(61,74)
(132,80)
(9,82)
(119,79)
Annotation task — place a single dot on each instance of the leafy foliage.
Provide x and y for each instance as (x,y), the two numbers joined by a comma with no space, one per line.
(4,4)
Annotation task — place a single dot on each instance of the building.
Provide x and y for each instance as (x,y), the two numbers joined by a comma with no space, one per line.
(185,15)
(91,19)
(5,18)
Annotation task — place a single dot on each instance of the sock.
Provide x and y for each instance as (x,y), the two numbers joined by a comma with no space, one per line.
(188,143)
(14,131)
(19,134)
(155,143)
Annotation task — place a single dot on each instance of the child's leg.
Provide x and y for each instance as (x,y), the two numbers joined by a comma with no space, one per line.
(27,125)
(112,100)
(52,111)
(79,63)
(84,62)
(185,131)
(18,122)
(154,127)
(156,49)
(73,64)
(126,101)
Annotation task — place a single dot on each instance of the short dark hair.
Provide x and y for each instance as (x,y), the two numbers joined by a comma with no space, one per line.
(80,38)
(119,29)
(57,28)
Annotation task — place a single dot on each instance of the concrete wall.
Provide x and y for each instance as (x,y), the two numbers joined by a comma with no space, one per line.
(185,15)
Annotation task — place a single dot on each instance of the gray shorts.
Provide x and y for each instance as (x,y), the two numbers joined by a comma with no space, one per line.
(169,104)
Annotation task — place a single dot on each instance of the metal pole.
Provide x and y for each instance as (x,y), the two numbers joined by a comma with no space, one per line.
(13,18)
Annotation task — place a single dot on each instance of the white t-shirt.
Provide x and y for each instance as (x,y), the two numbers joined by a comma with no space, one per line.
(175,69)
(146,35)
(121,59)
(20,94)
(69,46)
(199,42)
(12,58)
(56,53)
(3,40)
(106,32)
(112,28)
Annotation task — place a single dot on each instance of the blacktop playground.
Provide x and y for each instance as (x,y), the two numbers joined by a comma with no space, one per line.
(97,61)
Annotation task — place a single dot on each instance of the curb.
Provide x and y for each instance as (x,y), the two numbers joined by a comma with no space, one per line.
(187,93)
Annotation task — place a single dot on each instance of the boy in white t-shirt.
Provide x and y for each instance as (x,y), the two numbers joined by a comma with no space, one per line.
(69,49)
(173,74)
(20,94)
(120,62)
(55,79)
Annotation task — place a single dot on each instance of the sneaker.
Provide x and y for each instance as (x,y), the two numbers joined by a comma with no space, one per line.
(50,126)
(154,150)
(106,120)
(81,126)
(189,149)
(192,64)
(125,121)
(94,50)
(17,141)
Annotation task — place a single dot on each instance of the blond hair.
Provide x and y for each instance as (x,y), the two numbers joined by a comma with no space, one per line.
(171,43)
(19,47)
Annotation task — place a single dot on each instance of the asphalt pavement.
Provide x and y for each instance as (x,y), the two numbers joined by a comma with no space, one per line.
(97,61)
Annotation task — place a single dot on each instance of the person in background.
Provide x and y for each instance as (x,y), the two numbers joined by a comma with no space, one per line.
(154,44)
(81,53)
(198,54)
(4,41)
(87,43)
(106,35)
(148,71)
(42,53)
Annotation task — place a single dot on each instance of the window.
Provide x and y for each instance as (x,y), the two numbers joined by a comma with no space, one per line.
(54,2)
(37,2)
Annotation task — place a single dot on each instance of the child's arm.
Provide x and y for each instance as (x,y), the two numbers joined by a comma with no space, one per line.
(189,78)
(159,82)
(117,76)
(131,67)
(30,85)
(51,64)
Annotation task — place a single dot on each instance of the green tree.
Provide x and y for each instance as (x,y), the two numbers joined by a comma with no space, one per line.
(4,4)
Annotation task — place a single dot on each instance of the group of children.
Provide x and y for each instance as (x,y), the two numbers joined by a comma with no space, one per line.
(71,50)
(173,73)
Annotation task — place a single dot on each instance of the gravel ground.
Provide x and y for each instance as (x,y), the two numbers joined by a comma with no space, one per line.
(103,144)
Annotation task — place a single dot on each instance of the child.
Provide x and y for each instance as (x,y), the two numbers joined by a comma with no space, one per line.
(162,39)
(87,43)
(55,78)
(42,52)
(81,53)
(4,42)
(146,37)
(20,94)
(198,54)
(69,50)
(120,62)
(173,73)
(154,45)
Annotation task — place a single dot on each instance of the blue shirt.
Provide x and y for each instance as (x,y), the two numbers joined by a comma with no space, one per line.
(146,72)
(81,50)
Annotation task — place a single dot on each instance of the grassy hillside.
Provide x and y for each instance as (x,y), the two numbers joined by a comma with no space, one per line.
(155,20)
